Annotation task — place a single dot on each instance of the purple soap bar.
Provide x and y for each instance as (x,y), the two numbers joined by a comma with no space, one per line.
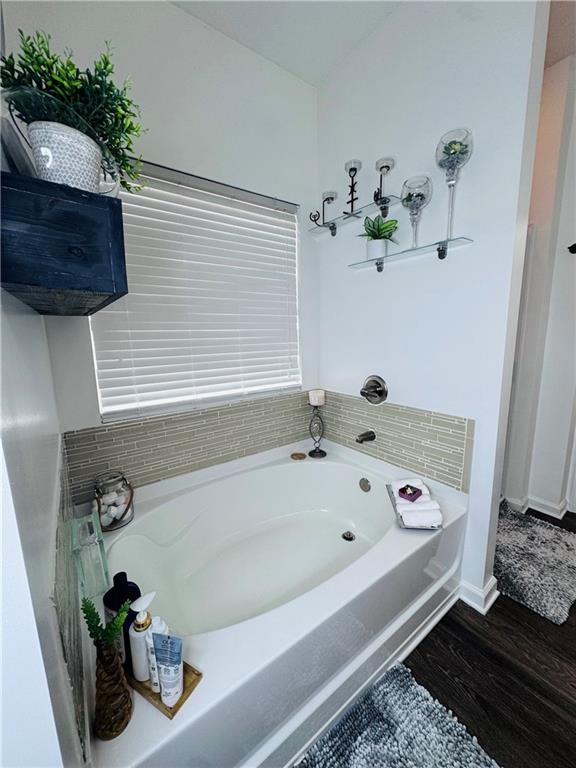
(409,493)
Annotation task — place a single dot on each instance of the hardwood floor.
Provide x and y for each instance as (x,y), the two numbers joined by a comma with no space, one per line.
(510,677)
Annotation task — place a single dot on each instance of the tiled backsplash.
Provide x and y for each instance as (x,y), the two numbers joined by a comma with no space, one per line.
(424,442)
(163,446)
(158,447)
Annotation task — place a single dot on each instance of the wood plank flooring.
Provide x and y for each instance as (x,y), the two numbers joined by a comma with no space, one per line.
(510,677)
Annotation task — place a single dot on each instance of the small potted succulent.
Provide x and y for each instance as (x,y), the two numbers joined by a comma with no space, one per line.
(378,232)
(79,121)
(114,706)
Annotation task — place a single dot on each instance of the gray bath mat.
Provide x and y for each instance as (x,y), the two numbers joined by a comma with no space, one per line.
(535,564)
(397,724)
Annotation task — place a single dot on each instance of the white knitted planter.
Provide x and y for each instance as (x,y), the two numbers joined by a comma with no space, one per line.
(65,156)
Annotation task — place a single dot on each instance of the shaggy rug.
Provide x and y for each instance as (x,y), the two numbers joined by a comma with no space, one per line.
(397,724)
(535,564)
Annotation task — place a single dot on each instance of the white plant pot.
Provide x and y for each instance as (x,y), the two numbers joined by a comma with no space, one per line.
(376,249)
(65,156)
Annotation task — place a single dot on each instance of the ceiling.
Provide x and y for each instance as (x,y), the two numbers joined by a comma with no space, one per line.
(305,38)
(309,38)
(561,31)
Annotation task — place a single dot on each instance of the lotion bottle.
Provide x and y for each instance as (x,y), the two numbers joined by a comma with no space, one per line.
(158,627)
(137,634)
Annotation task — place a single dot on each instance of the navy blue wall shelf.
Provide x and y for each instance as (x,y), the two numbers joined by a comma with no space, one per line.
(62,248)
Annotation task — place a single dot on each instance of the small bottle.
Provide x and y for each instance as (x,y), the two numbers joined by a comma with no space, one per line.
(137,635)
(158,627)
(122,591)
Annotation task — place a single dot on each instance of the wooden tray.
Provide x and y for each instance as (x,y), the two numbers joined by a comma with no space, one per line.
(191,679)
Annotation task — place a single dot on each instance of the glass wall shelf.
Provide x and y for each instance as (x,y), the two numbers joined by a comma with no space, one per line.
(358,215)
(441,247)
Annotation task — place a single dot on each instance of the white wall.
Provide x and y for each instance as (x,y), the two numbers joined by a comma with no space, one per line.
(24,693)
(31,446)
(212,108)
(554,433)
(436,331)
(547,189)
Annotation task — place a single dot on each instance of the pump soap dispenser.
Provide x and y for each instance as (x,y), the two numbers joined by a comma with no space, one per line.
(137,634)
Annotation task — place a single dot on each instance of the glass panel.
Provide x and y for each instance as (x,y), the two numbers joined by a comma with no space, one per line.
(90,556)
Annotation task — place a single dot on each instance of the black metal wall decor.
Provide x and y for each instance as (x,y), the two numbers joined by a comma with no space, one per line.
(381,200)
(327,199)
(352,167)
(383,166)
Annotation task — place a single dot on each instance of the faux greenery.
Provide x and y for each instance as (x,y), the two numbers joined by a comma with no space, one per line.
(100,634)
(51,87)
(379,228)
(415,199)
(455,148)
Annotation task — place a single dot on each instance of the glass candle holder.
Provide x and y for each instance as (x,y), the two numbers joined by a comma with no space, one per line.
(416,194)
(453,151)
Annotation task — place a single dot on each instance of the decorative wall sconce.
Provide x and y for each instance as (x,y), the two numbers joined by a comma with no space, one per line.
(316,398)
(327,199)
(352,167)
(383,166)
(452,153)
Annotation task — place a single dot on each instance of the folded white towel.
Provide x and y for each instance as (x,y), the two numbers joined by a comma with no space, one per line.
(418,506)
(415,519)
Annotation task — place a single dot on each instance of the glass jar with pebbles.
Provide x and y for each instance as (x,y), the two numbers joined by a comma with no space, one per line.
(113,499)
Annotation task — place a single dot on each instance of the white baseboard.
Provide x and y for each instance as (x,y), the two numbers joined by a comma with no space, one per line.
(518,505)
(548,508)
(480,599)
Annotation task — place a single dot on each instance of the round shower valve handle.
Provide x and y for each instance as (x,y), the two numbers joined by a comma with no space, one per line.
(375,390)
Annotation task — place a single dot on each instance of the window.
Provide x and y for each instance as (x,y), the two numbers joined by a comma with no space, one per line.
(212,309)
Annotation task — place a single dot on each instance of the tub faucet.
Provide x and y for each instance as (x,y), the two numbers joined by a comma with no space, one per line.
(366,437)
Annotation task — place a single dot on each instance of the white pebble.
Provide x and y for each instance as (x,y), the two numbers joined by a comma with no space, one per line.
(106,519)
(118,511)
(110,498)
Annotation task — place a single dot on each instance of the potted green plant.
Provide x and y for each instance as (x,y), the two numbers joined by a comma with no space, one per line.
(72,114)
(378,232)
(113,696)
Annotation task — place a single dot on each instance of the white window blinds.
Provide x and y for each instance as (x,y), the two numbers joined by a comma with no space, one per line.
(212,308)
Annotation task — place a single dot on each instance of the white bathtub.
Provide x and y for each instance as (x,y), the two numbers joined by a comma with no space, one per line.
(286,619)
